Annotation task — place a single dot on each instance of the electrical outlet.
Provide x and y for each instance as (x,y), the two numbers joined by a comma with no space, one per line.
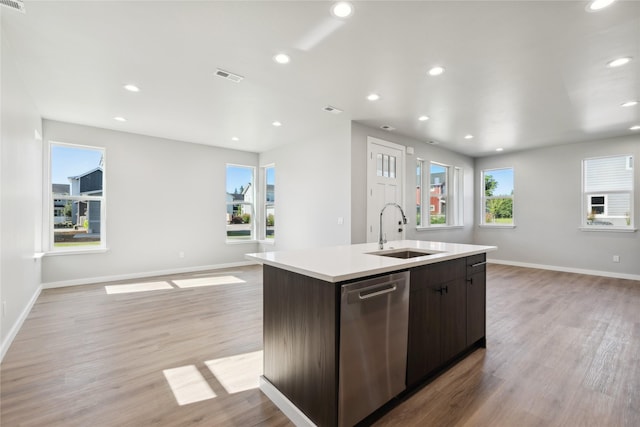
(180,254)
(616,258)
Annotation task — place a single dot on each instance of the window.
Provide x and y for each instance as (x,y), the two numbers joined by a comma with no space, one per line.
(497,197)
(269,202)
(77,202)
(444,200)
(607,192)
(240,196)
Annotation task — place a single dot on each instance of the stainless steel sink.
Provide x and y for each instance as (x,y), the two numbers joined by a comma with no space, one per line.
(405,253)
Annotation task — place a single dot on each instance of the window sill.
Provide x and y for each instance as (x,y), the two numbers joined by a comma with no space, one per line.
(599,228)
(497,226)
(241,242)
(438,227)
(77,252)
(267,242)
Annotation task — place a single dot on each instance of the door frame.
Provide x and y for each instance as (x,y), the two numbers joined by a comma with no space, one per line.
(388,144)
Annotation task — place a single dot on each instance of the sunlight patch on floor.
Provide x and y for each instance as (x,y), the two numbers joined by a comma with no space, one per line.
(237,373)
(207,281)
(188,385)
(137,287)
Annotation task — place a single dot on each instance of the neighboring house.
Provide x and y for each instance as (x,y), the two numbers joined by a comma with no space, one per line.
(59,205)
(235,202)
(436,191)
(87,184)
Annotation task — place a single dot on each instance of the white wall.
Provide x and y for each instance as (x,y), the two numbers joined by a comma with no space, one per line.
(547,209)
(312,190)
(163,197)
(21,172)
(427,152)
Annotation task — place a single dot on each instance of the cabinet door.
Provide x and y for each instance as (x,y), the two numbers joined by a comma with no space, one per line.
(453,318)
(424,350)
(476,307)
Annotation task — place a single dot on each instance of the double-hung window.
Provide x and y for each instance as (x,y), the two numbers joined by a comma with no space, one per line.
(497,197)
(77,204)
(438,195)
(269,200)
(607,193)
(240,203)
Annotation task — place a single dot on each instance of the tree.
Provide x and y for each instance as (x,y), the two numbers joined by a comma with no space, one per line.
(490,184)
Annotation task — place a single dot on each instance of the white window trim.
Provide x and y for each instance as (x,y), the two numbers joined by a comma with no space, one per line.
(483,200)
(254,218)
(629,165)
(264,205)
(454,196)
(49,204)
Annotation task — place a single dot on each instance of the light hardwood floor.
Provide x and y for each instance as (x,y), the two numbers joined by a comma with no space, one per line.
(562,350)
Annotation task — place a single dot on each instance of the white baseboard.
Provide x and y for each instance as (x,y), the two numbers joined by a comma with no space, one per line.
(91,280)
(292,412)
(566,269)
(6,343)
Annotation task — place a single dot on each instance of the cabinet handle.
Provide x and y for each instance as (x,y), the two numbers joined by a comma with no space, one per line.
(478,264)
(470,280)
(443,290)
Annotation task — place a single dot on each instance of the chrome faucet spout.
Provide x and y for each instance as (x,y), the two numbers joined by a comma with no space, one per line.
(382,241)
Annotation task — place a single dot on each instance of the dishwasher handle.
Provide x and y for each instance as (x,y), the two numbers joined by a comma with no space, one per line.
(375,291)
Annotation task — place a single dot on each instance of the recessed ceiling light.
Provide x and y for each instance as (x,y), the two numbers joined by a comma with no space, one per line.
(468,136)
(131,88)
(235,138)
(342,9)
(619,62)
(120,119)
(598,5)
(636,127)
(499,149)
(282,58)
(373,97)
(436,71)
(276,124)
(423,118)
(630,104)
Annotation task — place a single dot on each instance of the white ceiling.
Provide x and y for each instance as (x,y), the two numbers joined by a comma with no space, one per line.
(518,74)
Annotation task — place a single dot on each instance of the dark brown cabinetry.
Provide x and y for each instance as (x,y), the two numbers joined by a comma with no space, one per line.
(446,313)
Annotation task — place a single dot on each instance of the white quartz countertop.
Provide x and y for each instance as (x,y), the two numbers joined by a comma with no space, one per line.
(341,263)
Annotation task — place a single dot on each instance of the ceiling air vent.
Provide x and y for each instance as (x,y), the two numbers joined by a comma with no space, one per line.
(332,110)
(13,4)
(224,74)
(387,127)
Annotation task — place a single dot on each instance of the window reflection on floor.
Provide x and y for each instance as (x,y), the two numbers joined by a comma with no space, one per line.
(207,281)
(137,287)
(188,385)
(237,373)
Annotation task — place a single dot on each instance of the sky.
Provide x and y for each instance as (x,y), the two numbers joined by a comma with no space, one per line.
(72,161)
(505,181)
(238,176)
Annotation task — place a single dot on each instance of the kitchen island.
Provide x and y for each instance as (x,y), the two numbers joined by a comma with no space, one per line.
(322,355)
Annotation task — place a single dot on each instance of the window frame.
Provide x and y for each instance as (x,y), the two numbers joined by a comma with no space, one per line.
(454,195)
(252,206)
(484,199)
(266,204)
(51,198)
(586,199)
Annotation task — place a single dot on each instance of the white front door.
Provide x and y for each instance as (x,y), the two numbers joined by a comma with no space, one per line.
(385,184)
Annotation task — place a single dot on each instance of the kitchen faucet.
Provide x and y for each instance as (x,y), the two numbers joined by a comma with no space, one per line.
(382,241)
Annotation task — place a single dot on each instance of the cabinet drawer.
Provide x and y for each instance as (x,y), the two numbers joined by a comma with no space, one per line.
(476,264)
(446,271)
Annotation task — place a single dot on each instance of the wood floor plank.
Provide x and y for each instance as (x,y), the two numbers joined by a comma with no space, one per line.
(562,350)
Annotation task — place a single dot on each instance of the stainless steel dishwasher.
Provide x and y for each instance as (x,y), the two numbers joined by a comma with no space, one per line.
(374,318)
